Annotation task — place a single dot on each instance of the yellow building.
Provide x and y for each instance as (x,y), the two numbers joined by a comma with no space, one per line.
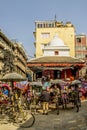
(46,30)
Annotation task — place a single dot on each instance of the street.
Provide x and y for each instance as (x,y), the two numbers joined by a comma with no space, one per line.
(68,119)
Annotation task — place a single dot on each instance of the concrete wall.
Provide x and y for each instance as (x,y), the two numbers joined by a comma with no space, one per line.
(67,34)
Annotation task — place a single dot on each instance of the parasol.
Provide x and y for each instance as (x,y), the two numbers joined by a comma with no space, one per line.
(75,82)
(12,77)
(58,81)
(36,83)
(6,85)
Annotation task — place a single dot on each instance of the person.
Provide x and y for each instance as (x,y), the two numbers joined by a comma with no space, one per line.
(45,98)
(5,91)
(65,97)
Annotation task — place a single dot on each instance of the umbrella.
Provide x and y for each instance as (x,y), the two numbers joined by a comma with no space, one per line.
(11,77)
(7,86)
(75,82)
(36,83)
(58,81)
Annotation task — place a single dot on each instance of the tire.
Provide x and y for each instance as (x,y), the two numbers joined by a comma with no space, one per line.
(27,122)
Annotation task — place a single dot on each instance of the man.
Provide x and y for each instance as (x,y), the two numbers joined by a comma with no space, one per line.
(45,98)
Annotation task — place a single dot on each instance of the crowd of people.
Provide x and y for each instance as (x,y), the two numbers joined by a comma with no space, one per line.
(28,94)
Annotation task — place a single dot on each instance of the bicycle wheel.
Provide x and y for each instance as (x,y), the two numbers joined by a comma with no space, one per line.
(29,122)
(25,120)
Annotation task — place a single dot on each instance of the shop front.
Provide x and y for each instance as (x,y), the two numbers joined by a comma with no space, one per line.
(56,67)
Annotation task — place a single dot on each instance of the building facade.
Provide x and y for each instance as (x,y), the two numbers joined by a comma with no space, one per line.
(46,30)
(81,46)
(20,59)
(56,48)
(12,56)
(81,51)
(56,61)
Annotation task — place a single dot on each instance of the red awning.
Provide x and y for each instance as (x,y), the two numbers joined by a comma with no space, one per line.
(53,64)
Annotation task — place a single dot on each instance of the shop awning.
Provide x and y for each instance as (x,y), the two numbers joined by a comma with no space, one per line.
(54,62)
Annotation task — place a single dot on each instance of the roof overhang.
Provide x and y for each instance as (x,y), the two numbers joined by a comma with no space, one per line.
(54,62)
(37,68)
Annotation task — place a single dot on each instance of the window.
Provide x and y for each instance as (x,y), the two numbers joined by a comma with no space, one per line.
(39,25)
(45,35)
(85,56)
(52,24)
(45,25)
(49,25)
(78,39)
(56,53)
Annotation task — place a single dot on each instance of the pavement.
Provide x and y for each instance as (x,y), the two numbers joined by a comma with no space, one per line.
(68,119)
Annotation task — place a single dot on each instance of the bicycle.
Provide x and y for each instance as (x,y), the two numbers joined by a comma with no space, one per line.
(18,115)
(24,118)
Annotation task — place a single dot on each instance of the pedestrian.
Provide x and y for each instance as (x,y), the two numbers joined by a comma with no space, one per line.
(45,98)
(5,91)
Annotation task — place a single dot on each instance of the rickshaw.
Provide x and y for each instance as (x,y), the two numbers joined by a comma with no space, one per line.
(36,91)
(4,96)
(64,96)
(73,96)
(56,96)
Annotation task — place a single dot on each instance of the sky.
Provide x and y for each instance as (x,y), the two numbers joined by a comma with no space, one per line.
(17,17)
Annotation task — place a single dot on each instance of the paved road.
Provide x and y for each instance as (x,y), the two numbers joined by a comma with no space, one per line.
(66,120)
